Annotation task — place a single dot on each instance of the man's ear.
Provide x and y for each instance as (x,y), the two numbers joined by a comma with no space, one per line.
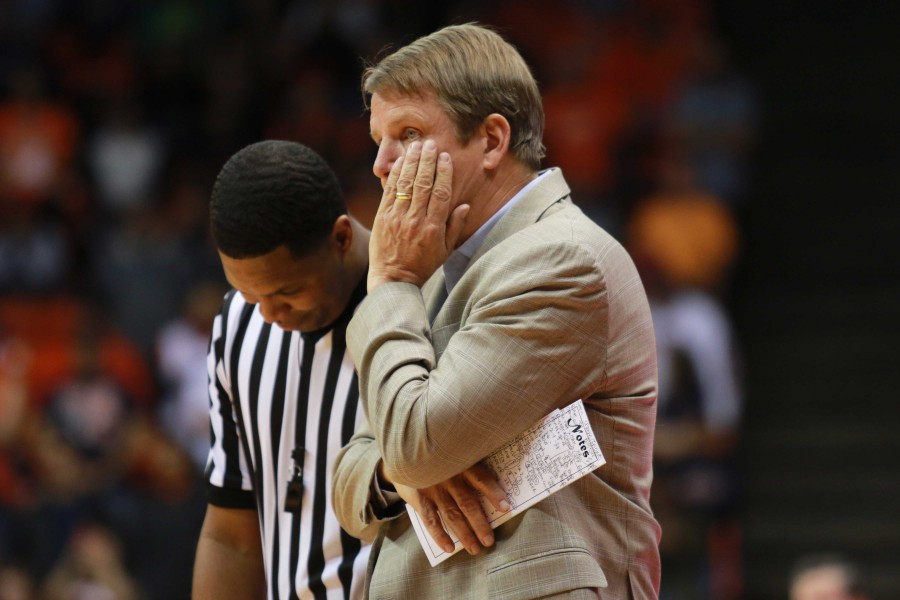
(342,235)
(496,132)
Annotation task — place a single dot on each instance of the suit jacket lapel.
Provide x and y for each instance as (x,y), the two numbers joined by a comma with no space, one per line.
(435,293)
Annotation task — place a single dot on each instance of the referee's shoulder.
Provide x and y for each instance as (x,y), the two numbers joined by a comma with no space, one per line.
(234,312)
(232,299)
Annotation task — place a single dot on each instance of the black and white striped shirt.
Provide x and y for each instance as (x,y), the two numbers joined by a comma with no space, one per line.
(272,391)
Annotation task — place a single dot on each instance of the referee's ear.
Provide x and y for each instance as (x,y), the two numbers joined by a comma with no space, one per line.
(342,235)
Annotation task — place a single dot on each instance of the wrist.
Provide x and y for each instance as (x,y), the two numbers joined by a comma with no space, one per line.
(377,277)
(383,481)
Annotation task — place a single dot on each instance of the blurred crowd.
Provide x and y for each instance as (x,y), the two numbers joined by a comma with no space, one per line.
(115,117)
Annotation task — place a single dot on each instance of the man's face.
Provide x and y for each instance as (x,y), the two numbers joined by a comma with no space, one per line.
(396,121)
(296,294)
(825,583)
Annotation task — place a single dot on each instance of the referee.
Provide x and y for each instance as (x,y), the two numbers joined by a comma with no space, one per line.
(283,391)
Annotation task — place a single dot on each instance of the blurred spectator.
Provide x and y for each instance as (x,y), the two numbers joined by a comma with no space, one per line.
(354,23)
(307,113)
(91,569)
(140,271)
(362,194)
(125,156)
(826,577)
(143,269)
(77,450)
(56,328)
(15,357)
(90,414)
(15,492)
(712,121)
(35,255)
(586,117)
(235,106)
(16,583)
(93,60)
(684,234)
(181,356)
(647,52)
(683,242)
(158,514)
(38,139)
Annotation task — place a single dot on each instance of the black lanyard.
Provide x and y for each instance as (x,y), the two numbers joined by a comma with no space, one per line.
(293,500)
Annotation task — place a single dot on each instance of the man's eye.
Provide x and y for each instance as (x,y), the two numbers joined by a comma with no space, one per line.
(410,134)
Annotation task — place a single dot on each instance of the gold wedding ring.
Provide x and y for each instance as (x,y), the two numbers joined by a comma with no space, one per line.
(399,196)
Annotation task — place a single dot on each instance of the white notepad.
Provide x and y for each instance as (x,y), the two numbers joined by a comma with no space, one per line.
(543,459)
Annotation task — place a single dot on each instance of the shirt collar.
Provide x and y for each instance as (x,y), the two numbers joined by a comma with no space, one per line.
(458,261)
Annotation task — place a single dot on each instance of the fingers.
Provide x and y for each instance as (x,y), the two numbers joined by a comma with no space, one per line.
(439,205)
(424,179)
(388,196)
(407,177)
(455,515)
(467,517)
(481,478)
(455,507)
(408,245)
(428,511)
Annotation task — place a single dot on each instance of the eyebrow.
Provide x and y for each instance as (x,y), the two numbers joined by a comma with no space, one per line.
(407,118)
(288,289)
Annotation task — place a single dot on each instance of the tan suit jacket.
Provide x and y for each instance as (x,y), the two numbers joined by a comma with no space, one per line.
(550,309)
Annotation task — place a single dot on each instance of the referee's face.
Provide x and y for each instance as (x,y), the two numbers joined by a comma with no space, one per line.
(296,294)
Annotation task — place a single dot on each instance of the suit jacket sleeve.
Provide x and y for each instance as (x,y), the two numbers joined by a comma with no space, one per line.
(360,504)
(530,337)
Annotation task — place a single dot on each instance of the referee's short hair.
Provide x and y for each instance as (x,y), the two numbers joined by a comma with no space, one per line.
(271,194)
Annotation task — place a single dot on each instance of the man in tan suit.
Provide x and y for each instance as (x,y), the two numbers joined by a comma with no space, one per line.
(492,301)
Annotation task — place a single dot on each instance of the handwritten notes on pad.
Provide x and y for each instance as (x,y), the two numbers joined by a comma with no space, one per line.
(545,458)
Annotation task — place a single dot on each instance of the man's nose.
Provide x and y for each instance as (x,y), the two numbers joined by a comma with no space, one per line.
(388,153)
(271,310)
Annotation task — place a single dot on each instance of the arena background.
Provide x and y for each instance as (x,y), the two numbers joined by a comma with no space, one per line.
(747,153)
